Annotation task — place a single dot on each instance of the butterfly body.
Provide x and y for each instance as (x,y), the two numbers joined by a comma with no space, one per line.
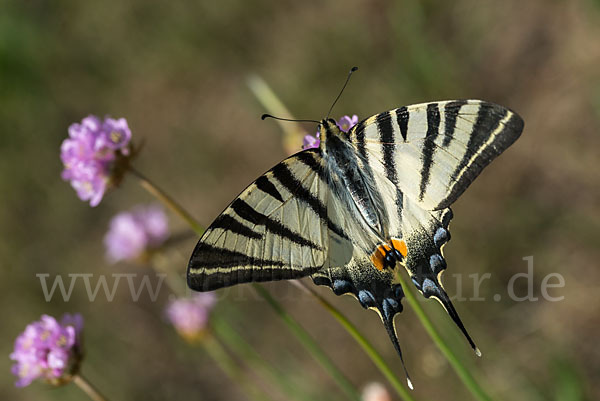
(364,203)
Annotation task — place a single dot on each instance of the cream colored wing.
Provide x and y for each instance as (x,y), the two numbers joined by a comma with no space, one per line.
(433,151)
(276,229)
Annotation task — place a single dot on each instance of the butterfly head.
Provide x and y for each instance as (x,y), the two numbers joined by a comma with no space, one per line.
(328,128)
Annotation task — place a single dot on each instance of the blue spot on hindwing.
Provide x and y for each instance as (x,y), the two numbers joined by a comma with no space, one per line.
(366,299)
(437,263)
(342,287)
(429,288)
(441,236)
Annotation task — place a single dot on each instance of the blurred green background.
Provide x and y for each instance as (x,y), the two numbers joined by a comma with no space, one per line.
(178,72)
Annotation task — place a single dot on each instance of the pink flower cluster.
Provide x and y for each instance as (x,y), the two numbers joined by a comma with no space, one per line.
(190,315)
(90,152)
(47,349)
(133,232)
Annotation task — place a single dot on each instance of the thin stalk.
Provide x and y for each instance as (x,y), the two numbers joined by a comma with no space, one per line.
(222,331)
(257,363)
(292,132)
(375,356)
(229,366)
(174,281)
(462,372)
(88,388)
(310,344)
(167,200)
(214,348)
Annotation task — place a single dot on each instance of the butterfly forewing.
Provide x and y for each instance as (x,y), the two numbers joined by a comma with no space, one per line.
(276,229)
(435,150)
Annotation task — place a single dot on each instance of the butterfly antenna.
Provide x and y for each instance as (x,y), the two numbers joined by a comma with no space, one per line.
(287,119)
(391,330)
(342,91)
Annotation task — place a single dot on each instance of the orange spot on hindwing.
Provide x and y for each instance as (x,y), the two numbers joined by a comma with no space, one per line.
(378,256)
(381,256)
(400,246)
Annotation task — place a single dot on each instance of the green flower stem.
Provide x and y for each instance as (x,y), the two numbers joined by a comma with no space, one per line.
(174,281)
(292,132)
(459,368)
(310,344)
(229,366)
(212,342)
(256,362)
(361,340)
(167,200)
(88,388)
(223,332)
(270,101)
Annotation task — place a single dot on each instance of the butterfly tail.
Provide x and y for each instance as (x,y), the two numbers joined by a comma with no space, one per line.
(388,322)
(443,298)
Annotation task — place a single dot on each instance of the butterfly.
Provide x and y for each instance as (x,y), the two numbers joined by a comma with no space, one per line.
(363,204)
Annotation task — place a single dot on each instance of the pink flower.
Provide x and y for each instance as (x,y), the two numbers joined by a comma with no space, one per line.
(132,233)
(48,350)
(190,316)
(310,141)
(346,122)
(90,152)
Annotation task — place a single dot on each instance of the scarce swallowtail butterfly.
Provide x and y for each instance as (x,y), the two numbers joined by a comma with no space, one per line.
(359,206)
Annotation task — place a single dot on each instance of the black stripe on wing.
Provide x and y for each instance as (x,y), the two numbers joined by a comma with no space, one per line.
(222,268)
(487,121)
(265,185)
(310,158)
(402,116)
(480,151)
(386,136)
(433,130)
(247,212)
(359,132)
(227,222)
(388,146)
(451,111)
(283,174)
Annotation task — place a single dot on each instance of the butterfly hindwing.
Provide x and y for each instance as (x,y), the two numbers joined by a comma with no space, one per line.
(372,288)
(275,229)
(422,158)
(426,234)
